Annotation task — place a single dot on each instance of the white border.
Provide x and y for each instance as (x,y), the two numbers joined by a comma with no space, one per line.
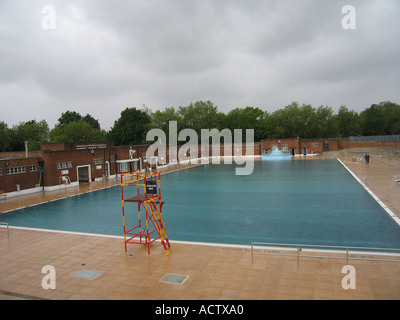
(68,232)
(224,245)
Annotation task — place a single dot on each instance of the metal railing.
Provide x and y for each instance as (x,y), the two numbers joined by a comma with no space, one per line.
(6,225)
(374,138)
(3,196)
(394,183)
(320,251)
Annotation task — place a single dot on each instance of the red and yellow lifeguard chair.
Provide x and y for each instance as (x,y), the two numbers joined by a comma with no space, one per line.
(148,199)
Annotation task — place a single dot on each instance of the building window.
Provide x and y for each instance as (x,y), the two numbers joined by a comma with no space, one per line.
(64,165)
(99,146)
(314,145)
(98,161)
(15,170)
(32,169)
(285,147)
(124,167)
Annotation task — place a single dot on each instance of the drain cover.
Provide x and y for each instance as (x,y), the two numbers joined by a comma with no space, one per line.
(88,274)
(174,278)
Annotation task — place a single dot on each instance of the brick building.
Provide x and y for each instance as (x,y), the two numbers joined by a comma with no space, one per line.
(17,173)
(300,146)
(66,163)
(89,161)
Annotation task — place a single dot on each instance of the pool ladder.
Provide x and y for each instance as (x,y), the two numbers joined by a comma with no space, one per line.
(394,183)
(6,225)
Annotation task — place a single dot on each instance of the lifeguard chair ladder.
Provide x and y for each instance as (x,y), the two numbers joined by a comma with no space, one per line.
(150,200)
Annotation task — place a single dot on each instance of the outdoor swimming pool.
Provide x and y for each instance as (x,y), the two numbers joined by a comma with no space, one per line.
(314,202)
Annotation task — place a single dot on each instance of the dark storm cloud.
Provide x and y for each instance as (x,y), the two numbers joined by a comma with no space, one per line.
(106,55)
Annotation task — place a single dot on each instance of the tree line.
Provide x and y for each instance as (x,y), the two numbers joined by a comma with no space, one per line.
(292,121)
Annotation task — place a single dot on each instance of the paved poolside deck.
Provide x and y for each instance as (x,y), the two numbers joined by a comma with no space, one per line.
(214,272)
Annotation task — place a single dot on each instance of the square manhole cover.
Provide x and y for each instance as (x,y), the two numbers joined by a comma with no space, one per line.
(88,274)
(174,278)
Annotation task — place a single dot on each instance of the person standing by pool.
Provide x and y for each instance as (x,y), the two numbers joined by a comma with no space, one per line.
(366,157)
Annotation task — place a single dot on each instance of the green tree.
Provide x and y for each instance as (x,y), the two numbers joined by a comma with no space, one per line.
(77,131)
(381,119)
(373,121)
(221,119)
(348,122)
(392,117)
(161,119)
(5,137)
(130,128)
(82,131)
(199,115)
(73,116)
(325,124)
(94,123)
(306,126)
(67,117)
(249,118)
(57,135)
(278,129)
(72,127)
(304,121)
(33,132)
(293,121)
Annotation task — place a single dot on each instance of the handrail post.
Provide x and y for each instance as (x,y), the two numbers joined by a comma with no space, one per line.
(6,225)
(347,256)
(298,258)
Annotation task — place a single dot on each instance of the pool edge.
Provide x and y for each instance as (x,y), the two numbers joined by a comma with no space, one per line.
(372,194)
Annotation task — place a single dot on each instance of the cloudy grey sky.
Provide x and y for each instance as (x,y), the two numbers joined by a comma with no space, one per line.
(104,56)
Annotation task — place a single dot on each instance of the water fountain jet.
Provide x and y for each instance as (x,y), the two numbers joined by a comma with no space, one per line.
(277,154)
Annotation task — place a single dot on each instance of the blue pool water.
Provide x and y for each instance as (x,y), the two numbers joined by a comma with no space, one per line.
(304,202)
